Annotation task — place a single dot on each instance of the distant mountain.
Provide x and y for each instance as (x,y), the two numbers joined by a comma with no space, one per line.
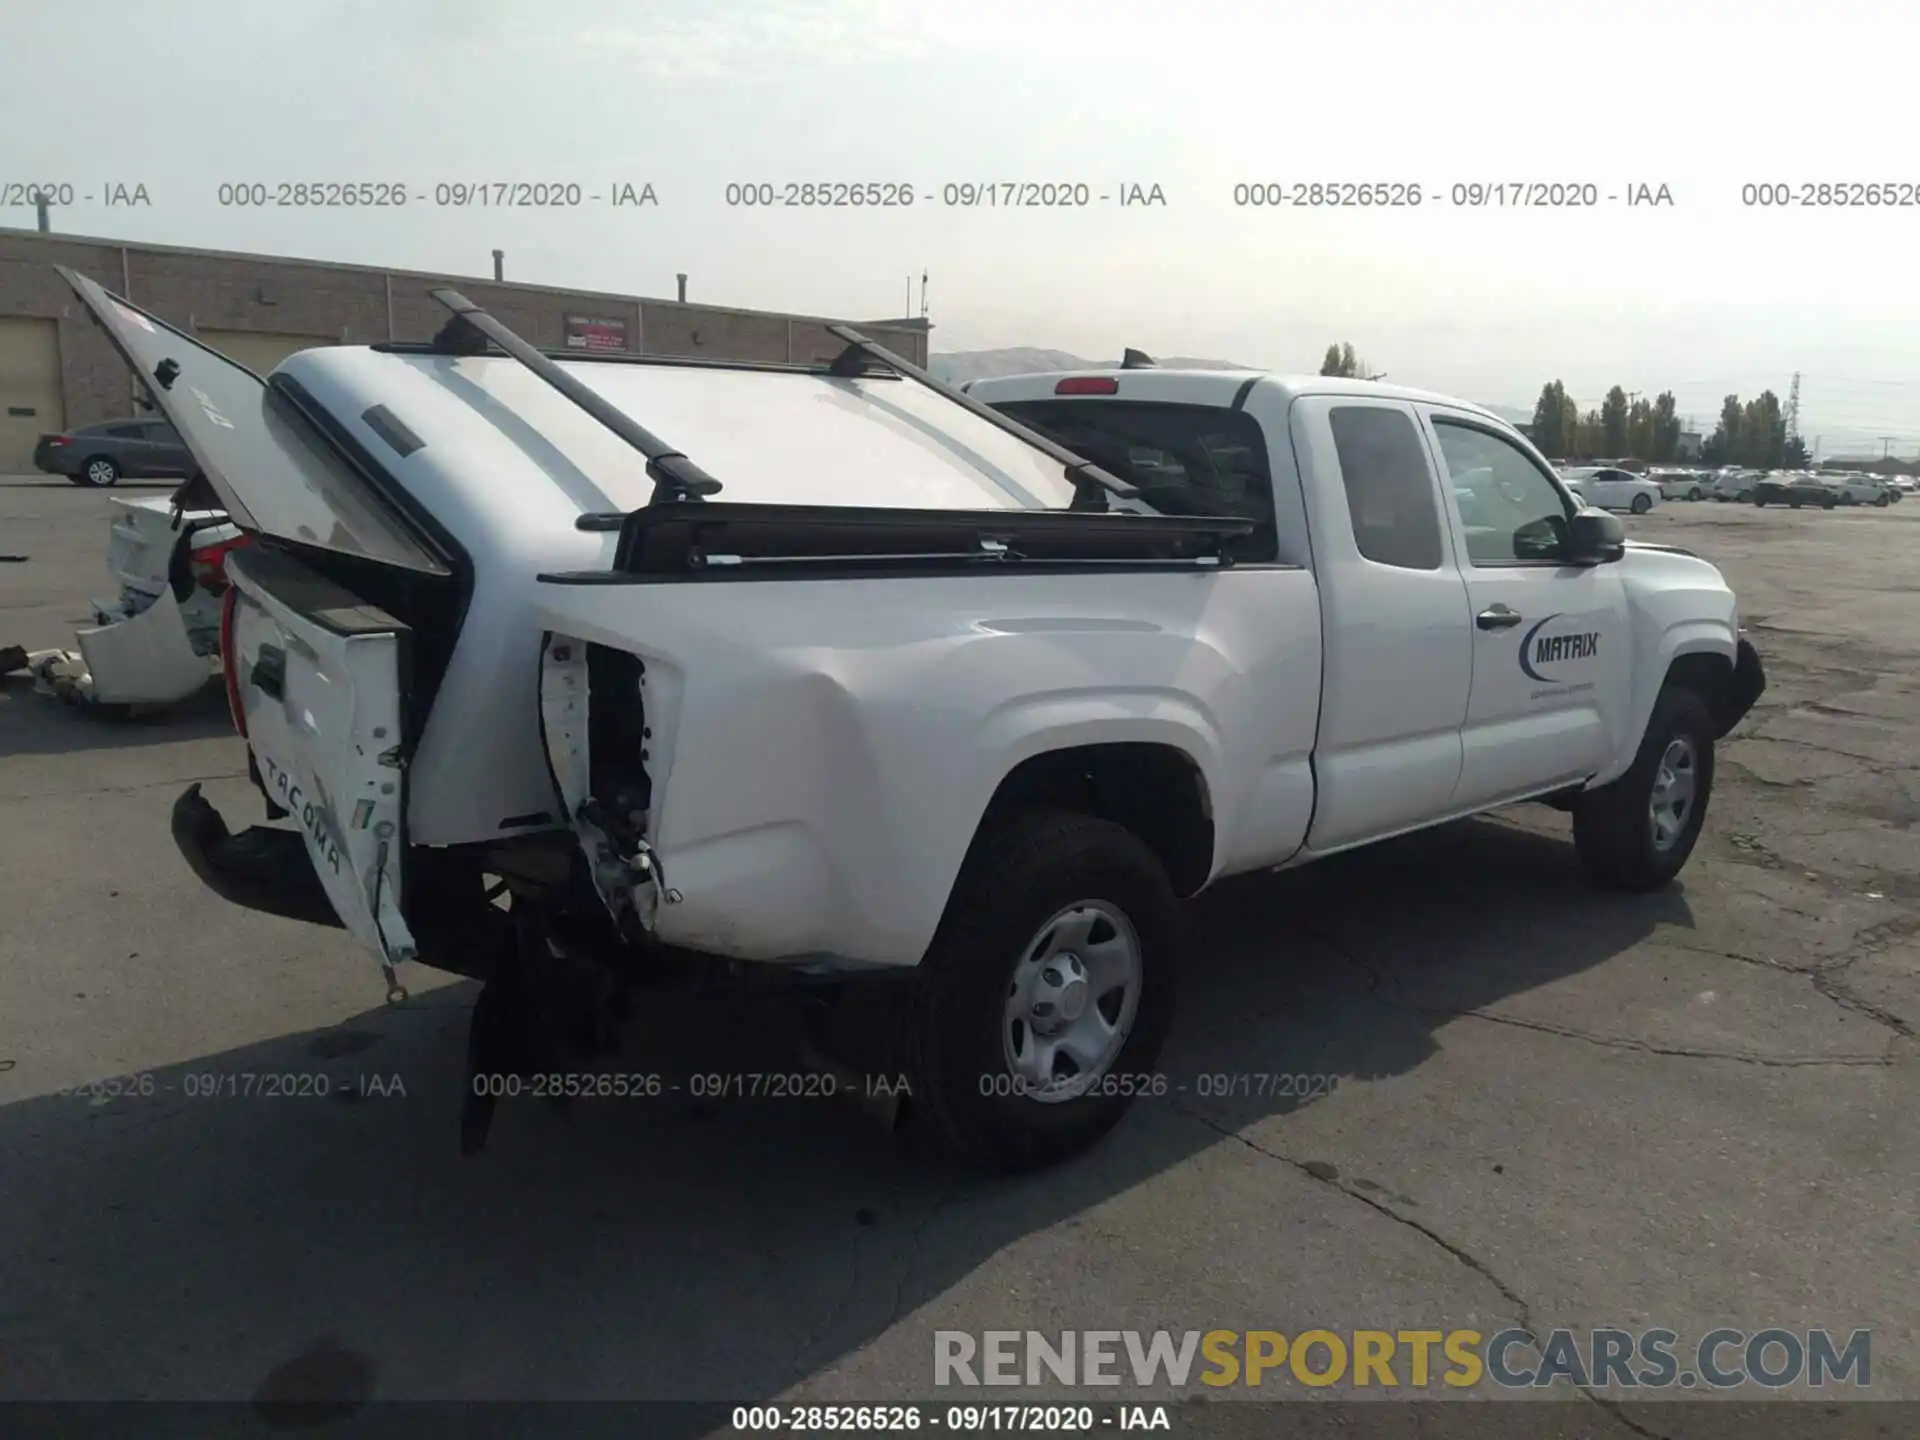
(962,365)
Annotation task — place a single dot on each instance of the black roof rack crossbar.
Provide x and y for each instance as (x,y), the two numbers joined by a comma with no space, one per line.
(674,476)
(859,346)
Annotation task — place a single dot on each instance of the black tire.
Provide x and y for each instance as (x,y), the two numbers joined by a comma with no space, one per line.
(1694,493)
(1760,502)
(1827,504)
(1641,504)
(96,473)
(1017,876)
(1880,500)
(1793,504)
(1613,830)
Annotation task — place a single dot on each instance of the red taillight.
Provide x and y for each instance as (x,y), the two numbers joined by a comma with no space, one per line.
(209,565)
(1088,385)
(54,441)
(230,662)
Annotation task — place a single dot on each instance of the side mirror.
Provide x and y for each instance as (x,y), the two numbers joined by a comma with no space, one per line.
(1593,538)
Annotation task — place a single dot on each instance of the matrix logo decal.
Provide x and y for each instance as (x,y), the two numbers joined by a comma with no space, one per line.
(1553,649)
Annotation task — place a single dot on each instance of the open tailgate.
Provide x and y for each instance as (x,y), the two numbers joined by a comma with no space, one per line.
(322,680)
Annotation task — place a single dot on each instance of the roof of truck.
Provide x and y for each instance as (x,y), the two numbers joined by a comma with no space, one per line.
(1210,386)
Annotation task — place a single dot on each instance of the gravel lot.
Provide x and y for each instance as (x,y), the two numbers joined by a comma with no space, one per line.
(1548,1106)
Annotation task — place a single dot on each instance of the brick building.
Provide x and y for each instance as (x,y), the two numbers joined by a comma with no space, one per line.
(57,370)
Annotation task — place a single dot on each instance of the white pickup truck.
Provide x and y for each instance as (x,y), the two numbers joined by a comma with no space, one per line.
(942,701)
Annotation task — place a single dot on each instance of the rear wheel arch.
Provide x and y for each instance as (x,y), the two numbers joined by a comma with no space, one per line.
(1154,789)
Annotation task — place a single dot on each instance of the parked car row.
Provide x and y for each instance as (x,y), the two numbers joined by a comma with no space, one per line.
(1797,488)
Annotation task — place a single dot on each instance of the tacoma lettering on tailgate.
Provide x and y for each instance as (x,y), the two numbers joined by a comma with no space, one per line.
(310,812)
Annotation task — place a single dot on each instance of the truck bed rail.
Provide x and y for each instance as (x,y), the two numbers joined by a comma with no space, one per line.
(692,540)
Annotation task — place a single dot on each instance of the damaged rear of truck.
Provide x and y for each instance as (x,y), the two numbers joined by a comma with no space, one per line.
(927,708)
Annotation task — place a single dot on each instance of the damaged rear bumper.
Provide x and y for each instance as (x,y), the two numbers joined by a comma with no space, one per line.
(260,868)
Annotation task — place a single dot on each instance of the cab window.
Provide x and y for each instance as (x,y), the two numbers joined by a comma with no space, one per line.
(1510,510)
(1390,500)
(1185,459)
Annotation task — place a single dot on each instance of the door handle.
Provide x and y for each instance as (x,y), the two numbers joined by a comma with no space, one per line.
(1497,617)
(269,672)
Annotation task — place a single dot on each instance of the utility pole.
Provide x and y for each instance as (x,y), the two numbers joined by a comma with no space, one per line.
(1886,445)
(40,204)
(1793,408)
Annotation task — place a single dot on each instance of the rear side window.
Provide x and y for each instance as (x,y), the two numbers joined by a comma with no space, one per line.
(1185,459)
(1390,498)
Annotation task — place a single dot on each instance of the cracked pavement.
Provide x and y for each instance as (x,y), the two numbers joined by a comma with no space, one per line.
(1533,1103)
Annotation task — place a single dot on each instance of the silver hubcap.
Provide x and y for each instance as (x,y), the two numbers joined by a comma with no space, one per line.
(100,471)
(1674,785)
(1071,1002)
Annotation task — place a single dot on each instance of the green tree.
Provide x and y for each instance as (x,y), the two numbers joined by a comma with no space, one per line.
(1590,437)
(1762,441)
(1666,426)
(1640,430)
(1724,446)
(1795,456)
(1613,423)
(1553,420)
(1340,360)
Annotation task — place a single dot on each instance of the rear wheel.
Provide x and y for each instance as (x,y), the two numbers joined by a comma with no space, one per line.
(1637,832)
(1047,992)
(1827,503)
(98,472)
(1641,504)
(1694,493)
(1880,500)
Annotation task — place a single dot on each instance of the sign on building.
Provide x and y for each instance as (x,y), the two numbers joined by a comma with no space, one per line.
(585,332)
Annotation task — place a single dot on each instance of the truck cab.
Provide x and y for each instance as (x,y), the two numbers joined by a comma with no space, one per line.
(1478,646)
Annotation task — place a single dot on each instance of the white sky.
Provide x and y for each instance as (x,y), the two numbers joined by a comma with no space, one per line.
(1703,298)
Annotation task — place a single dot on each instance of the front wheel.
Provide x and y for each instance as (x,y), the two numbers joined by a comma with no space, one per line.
(1694,494)
(1047,992)
(1757,500)
(1880,501)
(1637,832)
(1641,504)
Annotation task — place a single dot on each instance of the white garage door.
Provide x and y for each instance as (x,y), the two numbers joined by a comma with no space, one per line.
(259,350)
(30,403)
